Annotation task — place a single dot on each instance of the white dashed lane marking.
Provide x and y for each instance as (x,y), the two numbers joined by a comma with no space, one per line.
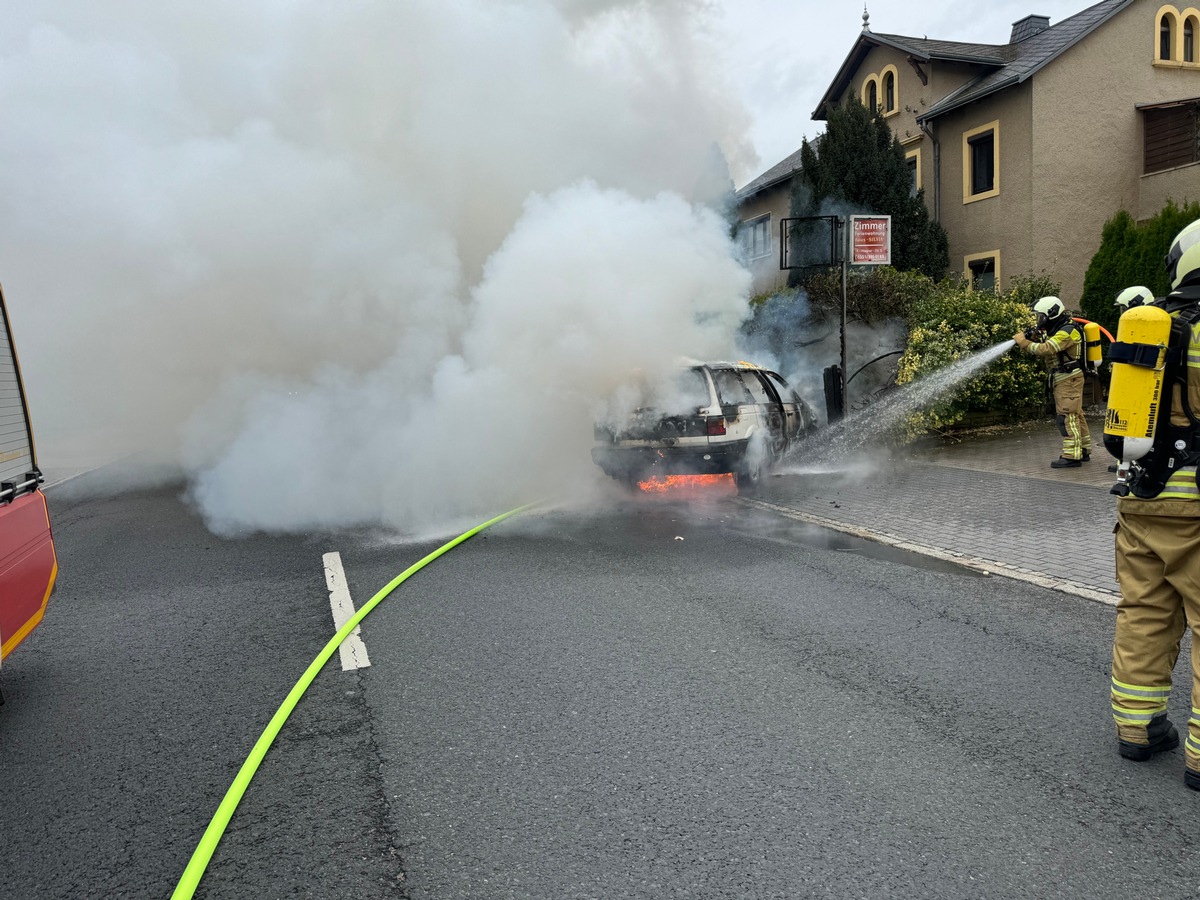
(353,651)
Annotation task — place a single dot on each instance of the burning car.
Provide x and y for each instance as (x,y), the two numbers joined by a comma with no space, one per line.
(711,418)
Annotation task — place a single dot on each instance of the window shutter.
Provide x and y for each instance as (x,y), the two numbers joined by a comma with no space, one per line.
(1170,137)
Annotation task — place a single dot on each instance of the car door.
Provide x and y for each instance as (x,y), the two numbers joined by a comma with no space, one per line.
(793,409)
(774,418)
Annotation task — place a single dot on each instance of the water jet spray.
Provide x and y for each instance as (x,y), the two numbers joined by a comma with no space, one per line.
(841,441)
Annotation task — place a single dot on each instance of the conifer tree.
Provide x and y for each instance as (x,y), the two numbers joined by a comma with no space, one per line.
(1131,253)
(859,163)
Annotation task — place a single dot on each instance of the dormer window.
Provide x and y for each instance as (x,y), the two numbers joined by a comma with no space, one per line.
(880,91)
(1175,37)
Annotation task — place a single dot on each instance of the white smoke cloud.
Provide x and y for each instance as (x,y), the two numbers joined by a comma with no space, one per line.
(568,306)
(358,262)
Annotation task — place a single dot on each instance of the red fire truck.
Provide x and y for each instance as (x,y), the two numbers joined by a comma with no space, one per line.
(28,564)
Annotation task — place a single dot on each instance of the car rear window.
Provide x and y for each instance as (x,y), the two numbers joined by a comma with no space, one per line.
(685,393)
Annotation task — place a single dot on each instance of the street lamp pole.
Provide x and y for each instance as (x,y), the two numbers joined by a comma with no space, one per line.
(845,250)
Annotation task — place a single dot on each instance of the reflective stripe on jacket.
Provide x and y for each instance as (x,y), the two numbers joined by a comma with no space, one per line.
(1062,346)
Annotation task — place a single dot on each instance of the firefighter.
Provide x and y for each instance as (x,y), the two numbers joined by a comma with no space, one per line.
(1158,541)
(1058,340)
(1133,296)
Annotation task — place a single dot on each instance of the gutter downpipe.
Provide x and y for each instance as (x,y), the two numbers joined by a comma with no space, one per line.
(937,171)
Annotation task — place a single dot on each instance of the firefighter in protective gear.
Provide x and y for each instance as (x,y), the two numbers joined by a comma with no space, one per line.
(1133,296)
(1158,544)
(1059,342)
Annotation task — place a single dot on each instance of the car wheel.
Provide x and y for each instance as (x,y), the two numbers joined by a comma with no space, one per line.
(748,475)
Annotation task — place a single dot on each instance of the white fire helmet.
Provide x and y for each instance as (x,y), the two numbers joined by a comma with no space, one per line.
(1183,259)
(1048,310)
(1133,296)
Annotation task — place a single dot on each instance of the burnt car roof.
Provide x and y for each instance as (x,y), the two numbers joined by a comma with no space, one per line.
(741,364)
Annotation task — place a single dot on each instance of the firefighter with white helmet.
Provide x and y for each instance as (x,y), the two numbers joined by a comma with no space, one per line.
(1059,342)
(1133,297)
(1158,515)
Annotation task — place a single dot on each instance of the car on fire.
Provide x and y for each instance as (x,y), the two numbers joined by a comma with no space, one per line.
(710,418)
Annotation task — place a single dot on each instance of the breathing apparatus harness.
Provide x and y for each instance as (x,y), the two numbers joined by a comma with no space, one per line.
(1173,446)
(1066,364)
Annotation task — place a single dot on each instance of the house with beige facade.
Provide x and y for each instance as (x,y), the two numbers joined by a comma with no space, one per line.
(1023,149)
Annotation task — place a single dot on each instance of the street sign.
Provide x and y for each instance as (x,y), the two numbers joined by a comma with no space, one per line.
(870,240)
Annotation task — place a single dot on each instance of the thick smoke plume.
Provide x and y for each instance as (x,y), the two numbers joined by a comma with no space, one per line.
(360,262)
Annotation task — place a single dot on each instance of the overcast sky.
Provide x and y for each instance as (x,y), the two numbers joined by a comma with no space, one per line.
(783,54)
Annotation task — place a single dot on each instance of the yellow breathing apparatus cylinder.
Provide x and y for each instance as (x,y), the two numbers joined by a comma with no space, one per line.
(1091,338)
(1135,391)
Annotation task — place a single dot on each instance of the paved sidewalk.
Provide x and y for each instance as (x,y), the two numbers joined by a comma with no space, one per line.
(988,501)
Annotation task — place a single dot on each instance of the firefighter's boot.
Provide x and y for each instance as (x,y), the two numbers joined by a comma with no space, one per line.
(1160,735)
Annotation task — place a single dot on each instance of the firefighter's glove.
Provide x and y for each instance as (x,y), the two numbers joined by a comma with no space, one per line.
(1022,341)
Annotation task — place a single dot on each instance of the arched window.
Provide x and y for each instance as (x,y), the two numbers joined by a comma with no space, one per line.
(872,96)
(1165,38)
(889,92)
(1189,39)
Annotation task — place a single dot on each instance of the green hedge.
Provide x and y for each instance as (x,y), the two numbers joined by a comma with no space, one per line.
(946,322)
(951,323)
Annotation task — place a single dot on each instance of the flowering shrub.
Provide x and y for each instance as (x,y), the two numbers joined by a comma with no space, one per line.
(951,323)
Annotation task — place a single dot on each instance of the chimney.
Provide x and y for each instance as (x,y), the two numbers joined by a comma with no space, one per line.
(1028,27)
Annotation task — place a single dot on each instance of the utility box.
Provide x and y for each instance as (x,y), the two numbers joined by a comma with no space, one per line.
(835,395)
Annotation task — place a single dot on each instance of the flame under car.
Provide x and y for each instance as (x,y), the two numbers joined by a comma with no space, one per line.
(711,419)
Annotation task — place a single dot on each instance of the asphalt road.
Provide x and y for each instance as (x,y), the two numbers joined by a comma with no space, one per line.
(653,699)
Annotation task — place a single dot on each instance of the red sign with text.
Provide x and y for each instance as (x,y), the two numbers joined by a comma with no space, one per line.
(871,240)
